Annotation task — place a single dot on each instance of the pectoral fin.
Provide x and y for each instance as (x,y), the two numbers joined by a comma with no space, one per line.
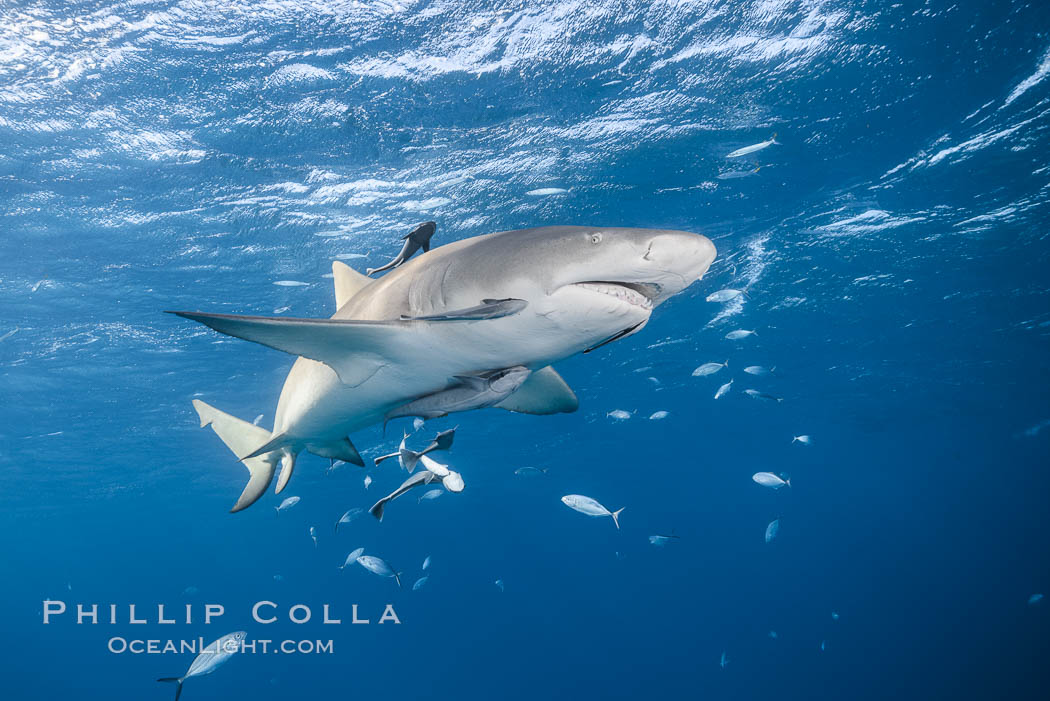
(356,350)
(488,309)
(544,392)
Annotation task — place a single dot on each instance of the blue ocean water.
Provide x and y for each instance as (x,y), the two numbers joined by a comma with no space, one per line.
(188,155)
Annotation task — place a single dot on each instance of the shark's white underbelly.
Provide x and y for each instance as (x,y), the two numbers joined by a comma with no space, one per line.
(316,406)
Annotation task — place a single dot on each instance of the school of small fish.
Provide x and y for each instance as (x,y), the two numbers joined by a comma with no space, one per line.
(773,481)
(439,479)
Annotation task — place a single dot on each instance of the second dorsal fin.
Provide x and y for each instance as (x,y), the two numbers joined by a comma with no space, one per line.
(348,282)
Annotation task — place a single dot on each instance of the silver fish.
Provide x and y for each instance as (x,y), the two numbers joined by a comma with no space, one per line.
(755,394)
(287,504)
(210,659)
(662,540)
(586,505)
(739,334)
(758,370)
(426,563)
(619,414)
(724,390)
(659,415)
(754,147)
(724,662)
(430,494)
(725,295)
(546,191)
(368,480)
(419,583)
(768,479)
(499,584)
(771,530)
(709,369)
(349,517)
(377,565)
(313,535)
(529,470)
(804,440)
(352,557)
(734,174)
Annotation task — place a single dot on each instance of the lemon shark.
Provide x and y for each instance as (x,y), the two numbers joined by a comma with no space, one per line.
(470,308)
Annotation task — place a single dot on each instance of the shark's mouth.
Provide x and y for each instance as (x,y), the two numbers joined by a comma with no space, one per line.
(639,294)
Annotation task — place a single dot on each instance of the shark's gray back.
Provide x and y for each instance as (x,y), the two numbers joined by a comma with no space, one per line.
(451,276)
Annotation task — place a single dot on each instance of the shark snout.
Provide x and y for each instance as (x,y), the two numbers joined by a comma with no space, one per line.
(681,257)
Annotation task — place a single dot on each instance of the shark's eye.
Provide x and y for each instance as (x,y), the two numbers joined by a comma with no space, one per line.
(596,238)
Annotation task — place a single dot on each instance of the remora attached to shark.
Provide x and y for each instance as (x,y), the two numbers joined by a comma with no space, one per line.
(525,298)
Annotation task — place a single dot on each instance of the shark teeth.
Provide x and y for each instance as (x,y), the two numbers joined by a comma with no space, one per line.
(624,294)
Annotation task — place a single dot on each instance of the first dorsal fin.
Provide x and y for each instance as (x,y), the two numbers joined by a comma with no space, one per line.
(348,282)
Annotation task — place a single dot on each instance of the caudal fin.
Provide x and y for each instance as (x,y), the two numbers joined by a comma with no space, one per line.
(178,685)
(241,437)
(377,509)
(269,446)
(616,517)
(409,458)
